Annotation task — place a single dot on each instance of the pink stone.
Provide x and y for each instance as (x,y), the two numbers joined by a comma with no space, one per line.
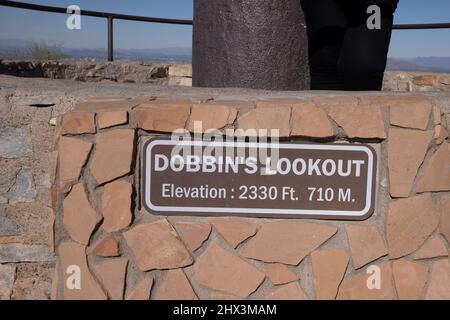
(156,245)
(107,247)
(74,254)
(221,270)
(107,119)
(433,248)
(212,116)
(410,278)
(310,121)
(406,152)
(280,274)
(360,121)
(409,223)
(79,219)
(366,244)
(194,234)
(113,154)
(116,205)
(356,287)
(329,266)
(162,116)
(287,241)
(444,221)
(73,154)
(234,230)
(411,112)
(141,291)
(292,291)
(266,118)
(436,176)
(78,122)
(112,274)
(175,286)
(439,283)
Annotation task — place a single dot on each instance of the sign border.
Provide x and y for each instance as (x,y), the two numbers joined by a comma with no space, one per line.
(255,212)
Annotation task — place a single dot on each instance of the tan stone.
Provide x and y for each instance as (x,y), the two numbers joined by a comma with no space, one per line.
(433,248)
(425,80)
(366,244)
(162,116)
(356,287)
(112,273)
(54,157)
(329,266)
(175,286)
(7,278)
(440,134)
(74,254)
(436,176)
(437,115)
(223,296)
(73,154)
(280,274)
(116,205)
(212,116)
(406,152)
(410,112)
(266,118)
(107,247)
(234,230)
(409,223)
(310,121)
(287,241)
(221,270)
(410,278)
(113,154)
(194,234)
(78,122)
(444,221)
(141,291)
(292,291)
(359,121)
(80,219)
(439,283)
(107,119)
(156,246)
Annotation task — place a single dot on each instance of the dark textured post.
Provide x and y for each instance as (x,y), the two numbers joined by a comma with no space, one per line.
(110,39)
(257,44)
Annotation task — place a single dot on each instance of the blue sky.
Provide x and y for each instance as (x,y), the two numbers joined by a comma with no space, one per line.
(50,27)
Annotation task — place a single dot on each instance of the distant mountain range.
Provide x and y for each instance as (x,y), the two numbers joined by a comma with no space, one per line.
(422,64)
(18,49)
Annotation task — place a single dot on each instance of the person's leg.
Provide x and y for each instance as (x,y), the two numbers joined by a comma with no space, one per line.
(326,23)
(364,52)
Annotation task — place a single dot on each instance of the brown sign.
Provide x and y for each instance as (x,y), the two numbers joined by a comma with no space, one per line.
(329,181)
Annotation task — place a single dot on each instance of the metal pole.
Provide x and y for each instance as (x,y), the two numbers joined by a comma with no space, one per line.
(110,39)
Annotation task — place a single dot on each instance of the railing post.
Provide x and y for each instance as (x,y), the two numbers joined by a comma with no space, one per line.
(110,39)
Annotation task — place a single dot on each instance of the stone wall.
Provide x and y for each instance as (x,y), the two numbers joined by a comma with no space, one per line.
(119,71)
(124,252)
(181,74)
(416,81)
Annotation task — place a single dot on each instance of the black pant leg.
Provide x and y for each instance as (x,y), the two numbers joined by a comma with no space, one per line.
(364,52)
(326,25)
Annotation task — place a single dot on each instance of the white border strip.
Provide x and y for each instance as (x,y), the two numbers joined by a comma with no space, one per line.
(274,212)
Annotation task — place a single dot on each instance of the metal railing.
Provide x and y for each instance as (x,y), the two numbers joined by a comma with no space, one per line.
(111,16)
